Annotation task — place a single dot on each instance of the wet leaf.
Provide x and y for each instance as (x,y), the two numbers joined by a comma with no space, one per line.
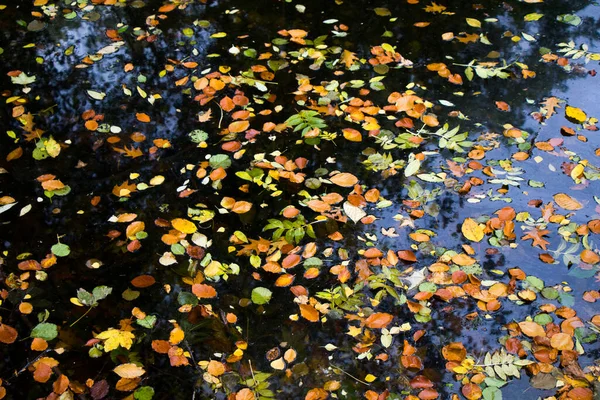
(261,295)
(129,371)
(532,329)
(344,179)
(472,230)
(567,202)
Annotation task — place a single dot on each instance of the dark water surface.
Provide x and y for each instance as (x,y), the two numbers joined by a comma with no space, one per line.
(61,51)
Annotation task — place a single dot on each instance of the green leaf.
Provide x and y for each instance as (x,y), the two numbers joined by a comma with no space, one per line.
(220,160)
(533,17)
(96,95)
(184,298)
(570,19)
(45,330)
(198,136)
(492,393)
(61,250)
(261,295)
(144,393)
(85,297)
(22,79)
(147,322)
(100,292)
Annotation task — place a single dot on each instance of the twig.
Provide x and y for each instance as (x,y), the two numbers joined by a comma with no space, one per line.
(80,318)
(351,376)
(220,119)
(253,380)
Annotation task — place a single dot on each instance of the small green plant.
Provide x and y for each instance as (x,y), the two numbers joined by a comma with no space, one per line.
(293,232)
(310,125)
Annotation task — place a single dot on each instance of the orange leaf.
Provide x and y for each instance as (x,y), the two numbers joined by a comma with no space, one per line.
(379,320)
(344,179)
(502,106)
(309,312)
(244,394)
(567,202)
(161,346)
(238,126)
(532,329)
(241,207)
(53,184)
(167,8)
(562,341)
(203,291)
(589,257)
(352,135)
(216,368)
(290,261)
(227,104)
(142,117)
(285,280)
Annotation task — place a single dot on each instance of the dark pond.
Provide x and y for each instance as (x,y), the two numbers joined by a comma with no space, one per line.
(116,125)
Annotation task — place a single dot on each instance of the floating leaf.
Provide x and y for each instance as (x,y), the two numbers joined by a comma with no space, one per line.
(474,22)
(532,329)
(575,114)
(344,179)
(45,331)
(184,225)
(472,230)
(567,202)
(129,371)
(261,295)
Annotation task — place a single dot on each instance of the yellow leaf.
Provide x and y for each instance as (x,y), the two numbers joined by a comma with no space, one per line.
(114,338)
(370,378)
(567,202)
(352,135)
(176,336)
(183,225)
(475,23)
(129,371)
(576,114)
(472,230)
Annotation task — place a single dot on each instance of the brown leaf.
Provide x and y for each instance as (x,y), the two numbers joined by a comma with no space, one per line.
(454,352)
(16,153)
(143,281)
(471,391)
(8,334)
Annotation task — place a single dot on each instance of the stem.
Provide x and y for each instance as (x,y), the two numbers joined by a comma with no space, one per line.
(80,318)
(351,376)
